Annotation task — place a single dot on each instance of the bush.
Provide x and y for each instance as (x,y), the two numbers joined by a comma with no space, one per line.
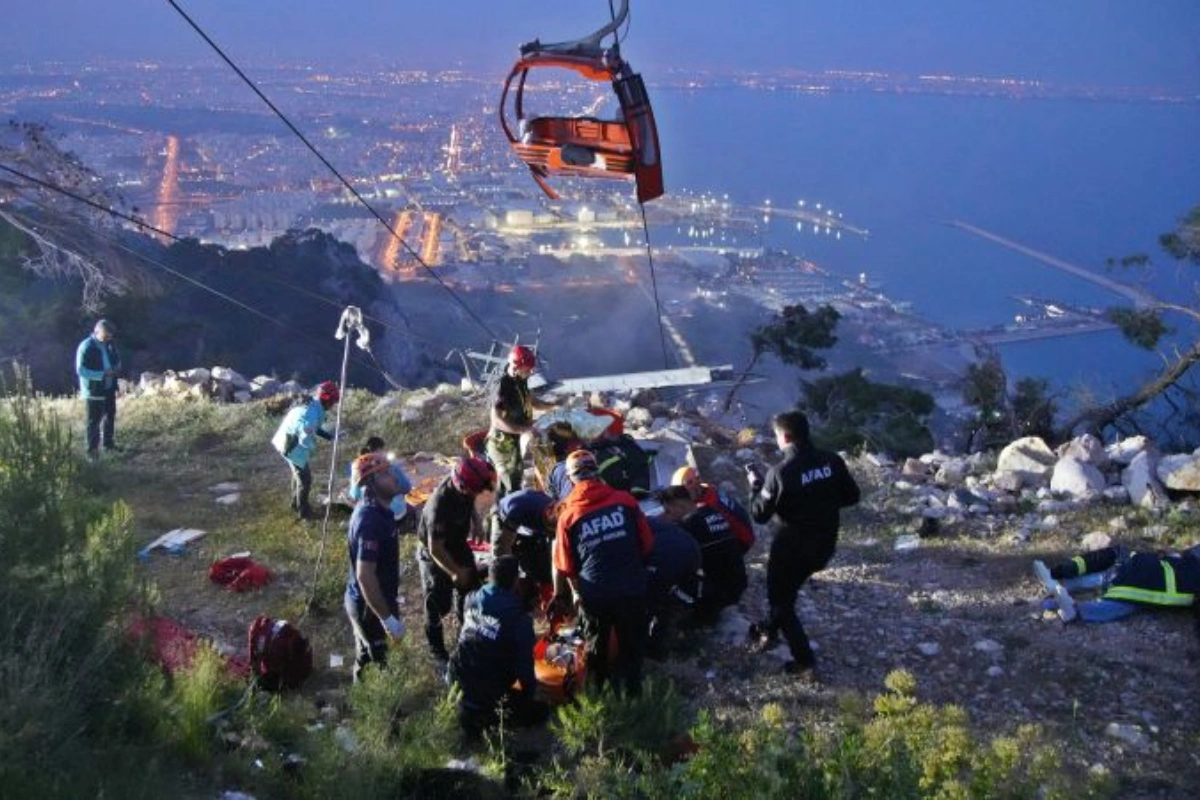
(896,748)
(73,721)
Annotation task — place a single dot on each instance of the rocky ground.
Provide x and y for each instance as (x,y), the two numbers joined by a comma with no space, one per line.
(960,608)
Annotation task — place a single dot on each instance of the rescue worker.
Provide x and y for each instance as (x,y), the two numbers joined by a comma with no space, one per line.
(672,571)
(708,495)
(400,507)
(600,553)
(493,662)
(448,523)
(1128,581)
(527,522)
(721,557)
(97,364)
(512,413)
(563,441)
(373,586)
(620,460)
(296,439)
(800,497)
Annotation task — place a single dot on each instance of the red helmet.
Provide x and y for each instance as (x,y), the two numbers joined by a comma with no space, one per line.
(522,357)
(328,393)
(473,475)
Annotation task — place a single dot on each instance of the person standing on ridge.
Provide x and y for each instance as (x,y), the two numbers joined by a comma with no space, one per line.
(512,413)
(801,497)
(449,521)
(600,553)
(296,439)
(373,586)
(97,364)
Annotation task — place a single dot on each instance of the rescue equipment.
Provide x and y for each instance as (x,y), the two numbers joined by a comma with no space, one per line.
(585,146)
(280,656)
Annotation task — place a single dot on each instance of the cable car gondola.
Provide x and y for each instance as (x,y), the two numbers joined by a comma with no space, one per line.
(586,147)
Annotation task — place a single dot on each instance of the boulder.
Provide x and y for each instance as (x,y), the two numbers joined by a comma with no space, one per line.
(952,471)
(264,386)
(196,375)
(227,375)
(1180,472)
(1085,448)
(1076,478)
(1007,481)
(291,387)
(1140,480)
(1096,540)
(879,460)
(150,383)
(1118,495)
(915,469)
(1028,458)
(242,396)
(1124,451)
(639,417)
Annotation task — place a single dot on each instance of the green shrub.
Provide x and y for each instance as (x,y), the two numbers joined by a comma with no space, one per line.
(895,748)
(73,721)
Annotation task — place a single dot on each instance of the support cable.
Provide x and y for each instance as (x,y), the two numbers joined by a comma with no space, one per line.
(662,333)
(349,187)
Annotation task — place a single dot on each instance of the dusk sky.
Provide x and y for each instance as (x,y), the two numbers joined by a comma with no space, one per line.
(1093,42)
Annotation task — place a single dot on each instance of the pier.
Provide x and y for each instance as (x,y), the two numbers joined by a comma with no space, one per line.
(1139,298)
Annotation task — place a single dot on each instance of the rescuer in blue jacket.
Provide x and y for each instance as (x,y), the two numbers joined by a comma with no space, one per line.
(493,662)
(296,439)
(97,364)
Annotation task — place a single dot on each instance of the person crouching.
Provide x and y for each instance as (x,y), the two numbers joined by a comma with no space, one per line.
(493,662)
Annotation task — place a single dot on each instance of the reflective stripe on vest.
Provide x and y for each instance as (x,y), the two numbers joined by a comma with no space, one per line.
(1080,566)
(1167,597)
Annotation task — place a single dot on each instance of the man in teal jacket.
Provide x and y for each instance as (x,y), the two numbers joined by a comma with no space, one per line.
(296,439)
(97,363)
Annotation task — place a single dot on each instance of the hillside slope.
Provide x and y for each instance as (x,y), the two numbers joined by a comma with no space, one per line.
(962,611)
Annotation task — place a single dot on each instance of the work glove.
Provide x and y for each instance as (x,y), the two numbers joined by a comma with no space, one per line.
(394,627)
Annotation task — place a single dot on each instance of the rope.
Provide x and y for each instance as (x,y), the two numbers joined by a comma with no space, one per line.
(662,333)
(349,187)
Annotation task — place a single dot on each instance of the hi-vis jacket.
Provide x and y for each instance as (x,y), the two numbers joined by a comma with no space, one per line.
(603,541)
(297,435)
(1147,578)
(92,359)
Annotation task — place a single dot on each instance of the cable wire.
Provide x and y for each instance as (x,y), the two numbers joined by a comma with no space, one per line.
(662,333)
(349,187)
(216,292)
(144,226)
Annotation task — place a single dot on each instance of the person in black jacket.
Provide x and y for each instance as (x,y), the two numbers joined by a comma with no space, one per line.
(493,663)
(800,497)
(97,364)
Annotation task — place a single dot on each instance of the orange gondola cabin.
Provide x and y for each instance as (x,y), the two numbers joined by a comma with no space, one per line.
(585,146)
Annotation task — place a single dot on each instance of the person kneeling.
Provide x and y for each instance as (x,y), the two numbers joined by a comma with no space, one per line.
(494,655)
